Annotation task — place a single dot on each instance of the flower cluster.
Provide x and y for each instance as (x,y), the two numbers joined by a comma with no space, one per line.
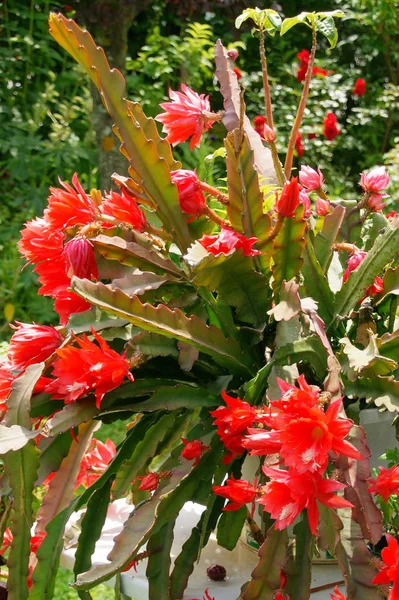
(300,434)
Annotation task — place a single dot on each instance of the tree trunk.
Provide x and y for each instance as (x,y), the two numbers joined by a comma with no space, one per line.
(109,22)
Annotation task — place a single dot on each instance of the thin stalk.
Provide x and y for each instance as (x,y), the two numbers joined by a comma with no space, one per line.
(344,247)
(277,226)
(269,109)
(213,216)
(208,189)
(301,108)
(255,530)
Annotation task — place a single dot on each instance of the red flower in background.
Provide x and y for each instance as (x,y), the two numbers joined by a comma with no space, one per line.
(376,287)
(68,207)
(299,147)
(390,572)
(288,493)
(359,89)
(32,343)
(330,123)
(238,73)
(193,450)
(124,208)
(187,116)
(288,201)
(337,595)
(191,197)
(95,461)
(319,71)
(232,422)
(239,493)
(89,368)
(80,259)
(304,57)
(39,241)
(7,540)
(205,597)
(227,241)
(386,483)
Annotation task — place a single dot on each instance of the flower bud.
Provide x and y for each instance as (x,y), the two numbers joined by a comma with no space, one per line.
(375,180)
(322,207)
(191,197)
(149,482)
(80,259)
(310,179)
(305,200)
(353,262)
(266,133)
(375,202)
(288,202)
(233,54)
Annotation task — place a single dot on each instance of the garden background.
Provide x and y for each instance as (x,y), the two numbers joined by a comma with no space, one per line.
(52,123)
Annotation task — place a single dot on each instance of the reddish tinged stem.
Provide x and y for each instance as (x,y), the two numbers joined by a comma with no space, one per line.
(214,217)
(277,226)
(301,108)
(255,530)
(208,189)
(344,247)
(326,586)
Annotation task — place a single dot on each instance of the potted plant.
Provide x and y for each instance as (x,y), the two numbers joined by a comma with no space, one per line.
(210,321)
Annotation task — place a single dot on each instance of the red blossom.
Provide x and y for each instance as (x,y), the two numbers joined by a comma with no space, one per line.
(6,379)
(88,368)
(299,147)
(193,450)
(7,540)
(337,595)
(149,482)
(205,597)
(353,262)
(375,181)
(390,572)
(68,207)
(39,241)
(319,71)
(305,201)
(238,73)
(80,259)
(227,241)
(36,541)
(375,288)
(288,201)
(330,123)
(386,483)
(32,343)
(232,422)
(304,57)
(233,54)
(123,207)
(392,215)
(359,89)
(237,491)
(191,197)
(288,493)
(262,128)
(95,461)
(375,202)
(188,115)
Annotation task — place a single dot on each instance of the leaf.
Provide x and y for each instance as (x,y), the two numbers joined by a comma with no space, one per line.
(188,355)
(389,344)
(230,91)
(230,527)
(171,323)
(328,29)
(292,21)
(18,402)
(299,578)
(70,416)
(383,391)
(325,239)
(159,548)
(52,453)
(153,344)
(20,467)
(138,282)
(265,578)
(266,19)
(316,284)
(290,302)
(288,248)
(62,485)
(391,284)
(245,210)
(385,249)
(235,281)
(329,529)
(14,437)
(133,255)
(150,158)
(368,361)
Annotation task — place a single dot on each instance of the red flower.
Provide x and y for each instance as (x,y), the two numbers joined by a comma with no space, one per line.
(6,379)
(337,595)
(312,136)
(231,422)
(227,241)
(149,482)
(7,540)
(239,493)
(89,368)
(390,572)
(32,343)
(305,200)
(375,288)
(238,73)
(375,202)
(288,493)
(262,128)
(205,597)
(193,450)
(233,54)
(304,57)
(375,181)
(300,149)
(39,241)
(392,215)
(191,197)
(386,483)
(80,259)
(188,115)
(68,207)
(95,461)
(67,303)
(330,126)
(353,262)
(319,71)
(124,208)
(288,202)
(359,88)
(36,540)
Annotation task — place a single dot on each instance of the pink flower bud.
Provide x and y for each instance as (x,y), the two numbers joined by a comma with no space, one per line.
(233,54)
(191,197)
(311,179)
(353,262)
(375,202)
(375,180)
(266,133)
(80,259)
(305,200)
(322,207)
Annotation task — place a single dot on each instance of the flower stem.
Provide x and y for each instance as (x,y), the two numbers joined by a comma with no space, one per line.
(301,108)
(255,530)
(344,247)
(277,226)
(214,217)
(208,189)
